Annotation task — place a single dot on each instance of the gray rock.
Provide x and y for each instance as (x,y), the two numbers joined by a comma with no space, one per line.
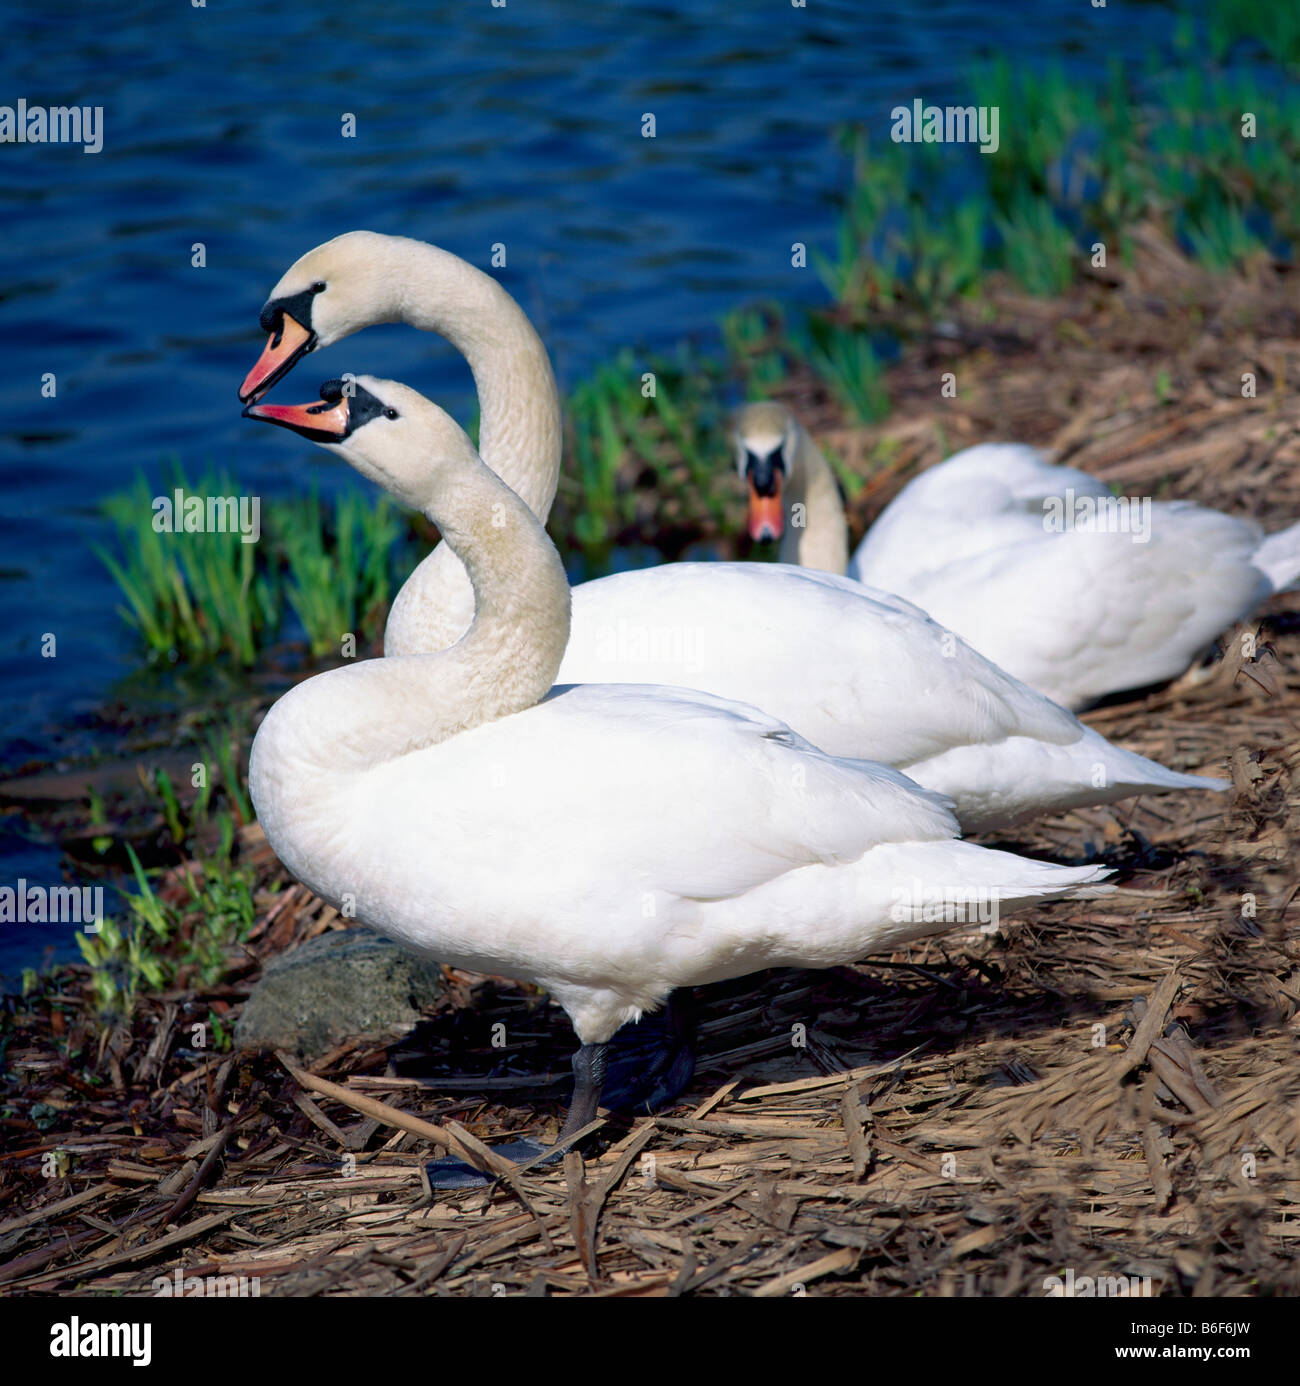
(347,984)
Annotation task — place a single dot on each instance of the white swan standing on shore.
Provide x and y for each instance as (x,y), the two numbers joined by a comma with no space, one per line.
(608,842)
(860,674)
(1019,557)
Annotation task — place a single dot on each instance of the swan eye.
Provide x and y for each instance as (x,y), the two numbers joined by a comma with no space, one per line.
(390,413)
(318,287)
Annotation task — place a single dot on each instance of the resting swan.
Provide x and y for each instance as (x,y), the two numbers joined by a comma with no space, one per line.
(860,674)
(989,545)
(608,842)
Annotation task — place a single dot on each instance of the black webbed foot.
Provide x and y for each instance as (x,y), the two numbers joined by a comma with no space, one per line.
(650,1064)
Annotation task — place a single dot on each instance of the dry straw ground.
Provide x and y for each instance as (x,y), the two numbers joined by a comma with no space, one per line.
(1111,1087)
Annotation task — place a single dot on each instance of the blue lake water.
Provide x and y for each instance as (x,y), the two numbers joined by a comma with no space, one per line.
(475,124)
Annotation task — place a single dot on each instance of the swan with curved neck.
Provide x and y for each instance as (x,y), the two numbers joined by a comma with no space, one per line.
(859,673)
(987,543)
(609,842)
(363,278)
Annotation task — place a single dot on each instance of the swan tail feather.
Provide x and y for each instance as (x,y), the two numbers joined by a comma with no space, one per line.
(1279,557)
(1007,782)
(1021,879)
(976,884)
(1120,774)
(1150,777)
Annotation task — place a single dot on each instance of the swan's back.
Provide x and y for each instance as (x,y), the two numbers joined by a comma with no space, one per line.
(612,843)
(984,498)
(1075,612)
(672,789)
(1142,612)
(629,838)
(860,673)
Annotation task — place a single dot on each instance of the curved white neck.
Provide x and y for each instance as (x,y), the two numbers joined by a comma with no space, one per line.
(816,529)
(520,431)
(317,742)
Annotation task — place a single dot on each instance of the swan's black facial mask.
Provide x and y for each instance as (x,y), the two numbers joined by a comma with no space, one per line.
(333,418)
(765,473)
(765,476)
(288,320)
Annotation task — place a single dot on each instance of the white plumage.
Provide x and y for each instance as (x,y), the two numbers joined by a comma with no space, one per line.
(1076,612)
(860,673)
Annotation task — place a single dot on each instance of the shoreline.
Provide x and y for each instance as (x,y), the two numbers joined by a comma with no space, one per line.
(1007,1078)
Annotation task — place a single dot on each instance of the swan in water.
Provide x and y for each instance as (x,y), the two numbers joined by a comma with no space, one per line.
(859,673)
(607,842)
(1075,591)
